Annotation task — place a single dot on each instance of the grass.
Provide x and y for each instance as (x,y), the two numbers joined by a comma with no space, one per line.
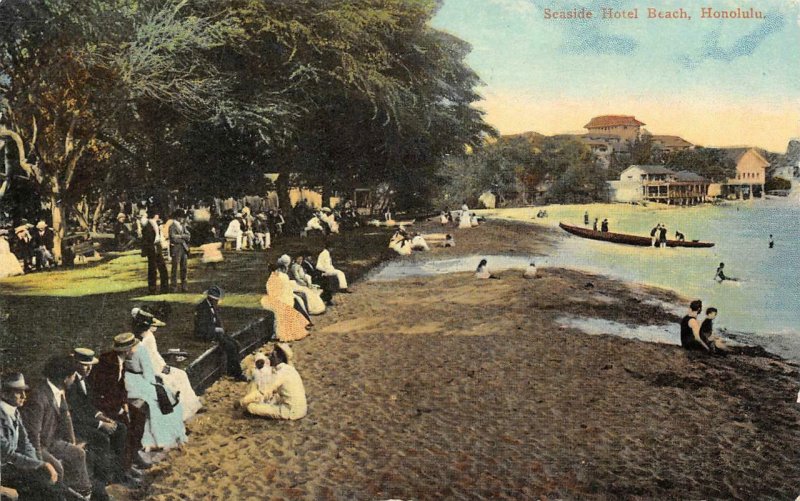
(49,313)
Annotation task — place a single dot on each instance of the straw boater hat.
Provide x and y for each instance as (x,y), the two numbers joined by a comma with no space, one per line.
(15,381)
(85,356)
(41,225)
(124,341)
(287,350)
(120,216)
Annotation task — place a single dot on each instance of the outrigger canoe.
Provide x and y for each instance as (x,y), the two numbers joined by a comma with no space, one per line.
(622,238)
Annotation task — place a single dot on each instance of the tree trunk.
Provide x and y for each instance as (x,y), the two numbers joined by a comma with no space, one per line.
(59,225)
(282,185)
(98,211)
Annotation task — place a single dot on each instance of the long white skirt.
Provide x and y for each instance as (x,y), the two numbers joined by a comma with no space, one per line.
(178,381)
(316,306)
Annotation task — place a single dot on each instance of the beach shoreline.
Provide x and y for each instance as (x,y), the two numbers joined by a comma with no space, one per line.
(448,387)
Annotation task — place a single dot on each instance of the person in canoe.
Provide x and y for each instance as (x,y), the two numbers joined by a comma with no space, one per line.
(680,237)
(721,276)
(654,234)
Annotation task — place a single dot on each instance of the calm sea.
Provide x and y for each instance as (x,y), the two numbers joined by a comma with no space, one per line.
(761,308)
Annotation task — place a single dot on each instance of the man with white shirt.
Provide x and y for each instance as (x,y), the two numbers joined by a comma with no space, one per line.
(284,394)
(49,424)
(105,438)
(325,265)
(21,467)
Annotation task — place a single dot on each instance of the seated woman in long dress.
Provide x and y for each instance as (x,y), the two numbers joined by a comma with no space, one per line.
(9,264)
(161,431)
(314,305)
(418,243)
(144,328)
(328,218)
(289,324)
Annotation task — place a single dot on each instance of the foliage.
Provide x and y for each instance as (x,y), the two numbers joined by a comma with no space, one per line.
(777,183)
(711,163)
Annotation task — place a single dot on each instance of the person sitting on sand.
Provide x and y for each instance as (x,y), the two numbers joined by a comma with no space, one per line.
(712,340)
(482,271)
(443,219)
(286,385)
(449,241)
(654,234)
(400,243)
(690,328)
(259,377)
(530,271)
(418,243)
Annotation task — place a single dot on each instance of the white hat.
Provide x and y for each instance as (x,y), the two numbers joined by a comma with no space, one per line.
(15,381)
(41,225)
(285,260)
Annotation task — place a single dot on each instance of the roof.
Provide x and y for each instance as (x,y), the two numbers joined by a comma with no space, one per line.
(599,135)
(688,176)
(672,141)
(736,154)
(612,121)
(652,169)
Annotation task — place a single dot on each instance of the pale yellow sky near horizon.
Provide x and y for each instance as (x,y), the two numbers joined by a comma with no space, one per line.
(707,120)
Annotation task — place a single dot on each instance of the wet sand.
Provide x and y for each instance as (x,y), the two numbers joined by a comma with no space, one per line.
(452,388)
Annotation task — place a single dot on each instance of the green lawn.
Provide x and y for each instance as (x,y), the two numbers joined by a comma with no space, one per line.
(48,313)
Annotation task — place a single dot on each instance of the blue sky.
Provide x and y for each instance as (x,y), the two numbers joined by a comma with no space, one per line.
(716,82)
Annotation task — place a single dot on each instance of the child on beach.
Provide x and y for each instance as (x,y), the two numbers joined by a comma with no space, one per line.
(714,342)
(482,271)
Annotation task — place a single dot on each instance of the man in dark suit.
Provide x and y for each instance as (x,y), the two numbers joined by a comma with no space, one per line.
(179,238)
(49,424)
(208,327)
(21,467)
(151,249)
(105,438)
(42,243)
(107,389)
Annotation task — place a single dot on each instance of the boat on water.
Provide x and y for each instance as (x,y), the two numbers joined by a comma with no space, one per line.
(623,238)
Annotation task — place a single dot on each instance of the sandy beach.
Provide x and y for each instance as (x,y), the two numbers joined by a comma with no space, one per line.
(447,387)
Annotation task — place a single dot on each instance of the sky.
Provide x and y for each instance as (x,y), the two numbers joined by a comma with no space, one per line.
(715,82)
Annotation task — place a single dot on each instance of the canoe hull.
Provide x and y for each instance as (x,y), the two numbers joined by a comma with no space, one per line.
(625,239)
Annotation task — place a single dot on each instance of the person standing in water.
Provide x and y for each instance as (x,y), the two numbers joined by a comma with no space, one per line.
(721,276)
(594,227)
(586,218)
(604,226)
(662,236)
(654,234)
(771,242)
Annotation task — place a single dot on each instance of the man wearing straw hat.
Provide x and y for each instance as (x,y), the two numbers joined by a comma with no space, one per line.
(21,467)
(106,382)
(105,437)
(49,424)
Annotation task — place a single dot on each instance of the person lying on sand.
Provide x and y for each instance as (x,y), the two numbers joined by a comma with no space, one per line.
(690,328)
(713,341)
(286,385)
(482,271)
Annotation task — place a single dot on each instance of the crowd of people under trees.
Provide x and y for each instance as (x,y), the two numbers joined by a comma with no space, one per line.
(101,419)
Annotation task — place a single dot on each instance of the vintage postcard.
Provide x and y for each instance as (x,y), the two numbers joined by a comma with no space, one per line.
(399,249)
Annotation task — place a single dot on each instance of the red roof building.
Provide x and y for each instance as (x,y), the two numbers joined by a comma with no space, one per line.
(625,126)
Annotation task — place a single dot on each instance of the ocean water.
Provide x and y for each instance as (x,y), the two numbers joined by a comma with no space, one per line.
(762,308)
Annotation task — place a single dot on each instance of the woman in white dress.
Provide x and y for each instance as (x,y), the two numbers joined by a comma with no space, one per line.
(328,218)
(464,219)
(482,271)
(161,431)
(400,244)
(9,264)
(315,304)
(144,328)
(234,231)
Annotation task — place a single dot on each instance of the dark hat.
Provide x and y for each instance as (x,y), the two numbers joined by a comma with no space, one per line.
(143,317)
(84,356)
(214,292)
(124,341)
(153,210)
(15,381)
(179,213)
